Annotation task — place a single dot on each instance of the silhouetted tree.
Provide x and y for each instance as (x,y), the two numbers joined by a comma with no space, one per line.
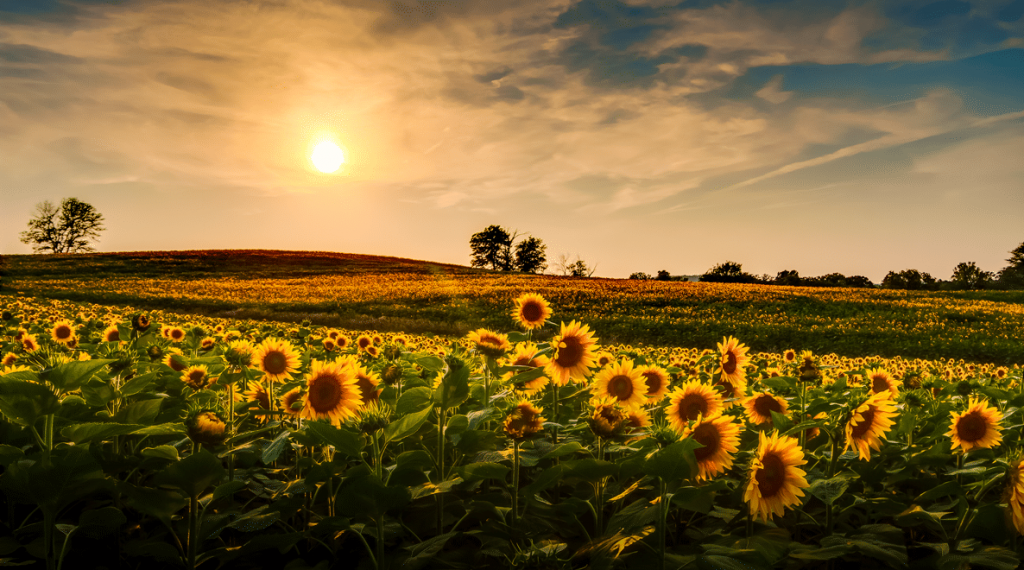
(66,229)
(969,276)
(788,277)
(911,279)
(663,275)
(573,266)
(728,272)
(531,256)
(639,275)
(492,248)
(1012,276)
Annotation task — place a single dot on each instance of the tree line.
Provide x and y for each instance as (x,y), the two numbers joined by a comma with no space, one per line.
(500,249)
(966,276)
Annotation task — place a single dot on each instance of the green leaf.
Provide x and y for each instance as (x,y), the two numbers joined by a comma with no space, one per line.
(9,454)
(995,557)
(343,441)
(26,402)
(673,462)
(72,375)
(142,412)
(781,422)
(413,400)
(138,384)
(480,471)
(454,389)
(83,433)
(228,489)
(97,523)
(363,494)
(278,445)
(526,376)
(948,488)
(780,383)
(193,474)
(828,490)
(406,426)
(589,469)
(167,452)
(428,362)
(172,428)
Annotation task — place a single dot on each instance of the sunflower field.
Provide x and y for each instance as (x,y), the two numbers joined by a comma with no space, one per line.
(148,439)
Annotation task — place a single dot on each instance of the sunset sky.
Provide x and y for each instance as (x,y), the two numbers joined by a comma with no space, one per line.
(855,137)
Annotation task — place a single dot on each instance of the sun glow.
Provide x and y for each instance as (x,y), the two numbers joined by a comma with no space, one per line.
(327,157)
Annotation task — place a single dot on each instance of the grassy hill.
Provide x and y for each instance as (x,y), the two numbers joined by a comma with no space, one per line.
(393,294)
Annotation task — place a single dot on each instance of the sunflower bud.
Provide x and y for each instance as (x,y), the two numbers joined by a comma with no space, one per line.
(374,417)
(392,373)
(964,388)
(206,428)
(6,315)
(140,323)
(606,421)
(155,352)
(525,421)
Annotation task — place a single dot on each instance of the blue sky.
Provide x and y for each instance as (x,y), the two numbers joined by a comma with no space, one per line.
(857,137)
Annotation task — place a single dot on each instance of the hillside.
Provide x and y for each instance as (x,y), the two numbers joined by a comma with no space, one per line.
(393,294)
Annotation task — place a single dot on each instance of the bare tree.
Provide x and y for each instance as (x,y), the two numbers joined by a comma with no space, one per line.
(67,229)
(573,265)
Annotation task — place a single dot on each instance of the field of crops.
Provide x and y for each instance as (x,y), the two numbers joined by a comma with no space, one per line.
(353,291)
(151,439)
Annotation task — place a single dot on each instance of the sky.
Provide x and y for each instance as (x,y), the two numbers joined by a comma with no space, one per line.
(822,136)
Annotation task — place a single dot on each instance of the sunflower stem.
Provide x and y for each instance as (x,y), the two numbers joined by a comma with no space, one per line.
(662,521)
(554,416)
(193,539)
(440,468)
(231,430)
(515,481)
(599,506)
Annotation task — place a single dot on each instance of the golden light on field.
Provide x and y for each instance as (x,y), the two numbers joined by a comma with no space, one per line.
(327,157)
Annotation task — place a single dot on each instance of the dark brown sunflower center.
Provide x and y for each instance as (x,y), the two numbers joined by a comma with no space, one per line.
(571,354)
(196,377)
(523,361)
(289,399)
(691,406)
(364,342)
(113,335)
(366,388)
(177,333)
(62,332)
(532,312)
(324,393)
(621,387)
(766,404)
(879,384)
(176,364)
(771,476)
(263,398)
(729,362)
(275,363)
(653,382)
(862,428)
(707,435)
(971,427)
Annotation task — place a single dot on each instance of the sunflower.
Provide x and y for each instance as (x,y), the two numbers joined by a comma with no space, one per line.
(363,342)
(869,423)
(329,344)
(789,356)
(775,477)
(637,420)
(531,311)
(574,353)
(621,383)
(367,382)
(734,358)
(524,421)
(656,379)
(1015,494)
(176,334)
(8,359)
(258,393)
(372,351)
(175,360)
(140,323)
(691,401)
(197,377)
(277,359)
(603,359)
(207,343)
(62,332)
(525,354)
(342,342)
(760,406)
(402,340)
(720,436)
(332,392)
(880,381)
(111,334)
(977,428)
(289,399)
(489,343)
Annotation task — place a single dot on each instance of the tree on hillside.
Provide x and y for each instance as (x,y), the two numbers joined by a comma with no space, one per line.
(911,279)
(789,277)
(66,229)
(663,275)
(728,272)
(1013,274)
(574,266)
(639,275)
(969,276)
(531,256)
(492,248)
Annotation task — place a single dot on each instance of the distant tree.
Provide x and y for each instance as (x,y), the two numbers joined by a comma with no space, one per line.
(531,256)
(663,275)
(1012,276)
(858,281)
(573,266)
(911,279)
(66,229)
(639,275)
(969,276)
(492,249)
(728,272)
(787,277)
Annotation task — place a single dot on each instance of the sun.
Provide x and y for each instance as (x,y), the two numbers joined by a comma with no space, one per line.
(327,157)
